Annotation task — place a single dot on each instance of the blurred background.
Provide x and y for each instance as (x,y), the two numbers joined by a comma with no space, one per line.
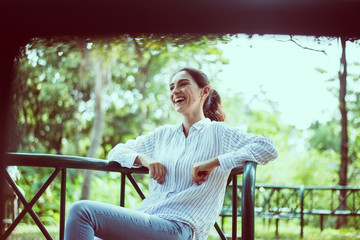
(82,96)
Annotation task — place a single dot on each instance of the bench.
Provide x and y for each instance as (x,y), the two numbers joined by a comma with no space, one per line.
(339,201)
(294,202)
(61,163)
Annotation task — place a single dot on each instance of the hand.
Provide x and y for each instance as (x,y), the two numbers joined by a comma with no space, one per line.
(201,170)
(157,170)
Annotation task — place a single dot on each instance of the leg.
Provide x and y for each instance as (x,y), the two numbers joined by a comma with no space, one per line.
(87,219)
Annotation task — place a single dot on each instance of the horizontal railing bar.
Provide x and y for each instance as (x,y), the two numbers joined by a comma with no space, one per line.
(331,187)
(65,161)
(306,187)
(76,162)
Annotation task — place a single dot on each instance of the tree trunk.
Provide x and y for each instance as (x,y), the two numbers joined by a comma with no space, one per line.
(79,85)
(344,148)
(141,79)
(98,124)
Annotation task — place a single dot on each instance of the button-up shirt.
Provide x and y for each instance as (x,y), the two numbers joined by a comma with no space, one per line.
(179,198)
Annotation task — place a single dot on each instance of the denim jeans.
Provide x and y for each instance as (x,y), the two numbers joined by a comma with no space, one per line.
(93,220)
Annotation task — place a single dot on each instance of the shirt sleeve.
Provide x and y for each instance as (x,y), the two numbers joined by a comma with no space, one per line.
(126,153)
(240,147)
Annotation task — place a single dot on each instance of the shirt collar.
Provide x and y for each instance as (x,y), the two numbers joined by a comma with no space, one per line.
(198,125)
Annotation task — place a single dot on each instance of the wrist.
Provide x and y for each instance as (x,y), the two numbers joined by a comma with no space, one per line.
(140,159)
(215,162)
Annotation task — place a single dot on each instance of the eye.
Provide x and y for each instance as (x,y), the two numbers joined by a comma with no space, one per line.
(183,84)
(171,88)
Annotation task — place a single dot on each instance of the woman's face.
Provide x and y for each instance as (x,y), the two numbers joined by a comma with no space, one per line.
(186,96)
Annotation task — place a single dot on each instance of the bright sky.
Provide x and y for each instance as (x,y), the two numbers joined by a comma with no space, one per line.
(287,73)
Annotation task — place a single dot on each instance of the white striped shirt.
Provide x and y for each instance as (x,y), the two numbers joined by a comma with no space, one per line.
(179,198)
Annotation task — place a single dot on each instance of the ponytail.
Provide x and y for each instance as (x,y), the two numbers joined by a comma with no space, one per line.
(212,106)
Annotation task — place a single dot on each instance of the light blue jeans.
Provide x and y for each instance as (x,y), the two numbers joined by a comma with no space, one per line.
(87,220)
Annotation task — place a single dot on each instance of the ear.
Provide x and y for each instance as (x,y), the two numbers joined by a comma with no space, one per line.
(205,91)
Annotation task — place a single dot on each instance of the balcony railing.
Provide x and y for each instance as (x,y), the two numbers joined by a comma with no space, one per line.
(61,163)
(297,201)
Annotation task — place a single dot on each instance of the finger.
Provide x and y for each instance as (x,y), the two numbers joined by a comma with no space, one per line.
(199,181)
(194,175)
(153,171)
(157,170)
(162,174)
(202,174)
(158,174)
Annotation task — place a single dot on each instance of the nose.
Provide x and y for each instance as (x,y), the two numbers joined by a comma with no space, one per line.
(175,90)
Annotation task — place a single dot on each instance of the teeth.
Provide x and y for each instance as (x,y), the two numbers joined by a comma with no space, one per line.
(178,100)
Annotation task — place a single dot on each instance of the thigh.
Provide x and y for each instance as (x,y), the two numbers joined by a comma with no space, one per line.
(114,222)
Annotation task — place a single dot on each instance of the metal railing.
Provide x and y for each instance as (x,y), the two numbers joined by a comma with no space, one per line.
(288,202)
(61,163)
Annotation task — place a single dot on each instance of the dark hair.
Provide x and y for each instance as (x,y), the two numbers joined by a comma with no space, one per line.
(212,106)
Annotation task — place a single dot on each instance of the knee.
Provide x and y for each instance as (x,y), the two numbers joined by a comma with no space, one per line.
(79,208)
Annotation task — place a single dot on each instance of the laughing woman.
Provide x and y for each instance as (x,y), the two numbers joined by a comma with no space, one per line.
(189,165)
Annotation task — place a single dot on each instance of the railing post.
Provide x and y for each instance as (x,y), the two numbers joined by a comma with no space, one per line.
(248,201)
(302,190)
(234,207)
(220,231)
(62,203)
(122,190)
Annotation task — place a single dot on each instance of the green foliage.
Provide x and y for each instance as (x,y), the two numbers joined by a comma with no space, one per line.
(53,112)
(53,102)
(312,165)
(325,136)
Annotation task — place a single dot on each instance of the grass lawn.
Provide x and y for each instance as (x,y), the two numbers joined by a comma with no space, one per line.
(290,230)
(32,232)
(287,230)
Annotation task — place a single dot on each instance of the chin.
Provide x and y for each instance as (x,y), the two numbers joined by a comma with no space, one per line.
(179,110)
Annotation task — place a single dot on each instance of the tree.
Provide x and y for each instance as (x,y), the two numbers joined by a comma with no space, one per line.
(44,99)
(347,146)
(145,57)
(102,79)
(344,147)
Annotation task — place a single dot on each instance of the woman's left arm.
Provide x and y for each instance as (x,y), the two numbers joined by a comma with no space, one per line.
(238,147)
(241,147)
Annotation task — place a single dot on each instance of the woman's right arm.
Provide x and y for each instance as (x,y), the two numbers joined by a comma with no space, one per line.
(137,153)
(126,153)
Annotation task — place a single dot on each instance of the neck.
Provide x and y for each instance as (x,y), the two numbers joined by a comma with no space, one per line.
(191,120)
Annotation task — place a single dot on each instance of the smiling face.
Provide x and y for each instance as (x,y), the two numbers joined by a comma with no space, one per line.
(186,96)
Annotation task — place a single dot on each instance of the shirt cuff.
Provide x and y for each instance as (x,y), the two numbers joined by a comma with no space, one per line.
(126,159)
(131,162)
(226,162)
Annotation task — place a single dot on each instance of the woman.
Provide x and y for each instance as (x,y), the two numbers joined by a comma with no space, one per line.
(189,165)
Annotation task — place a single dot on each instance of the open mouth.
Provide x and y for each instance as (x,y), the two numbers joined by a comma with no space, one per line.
(179,100)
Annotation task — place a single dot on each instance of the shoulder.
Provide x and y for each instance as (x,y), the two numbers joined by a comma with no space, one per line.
(225,127)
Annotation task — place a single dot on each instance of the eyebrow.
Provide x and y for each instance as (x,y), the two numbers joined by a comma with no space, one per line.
(181,80)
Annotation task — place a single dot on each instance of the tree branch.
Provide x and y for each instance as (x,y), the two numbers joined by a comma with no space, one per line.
(303,47)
